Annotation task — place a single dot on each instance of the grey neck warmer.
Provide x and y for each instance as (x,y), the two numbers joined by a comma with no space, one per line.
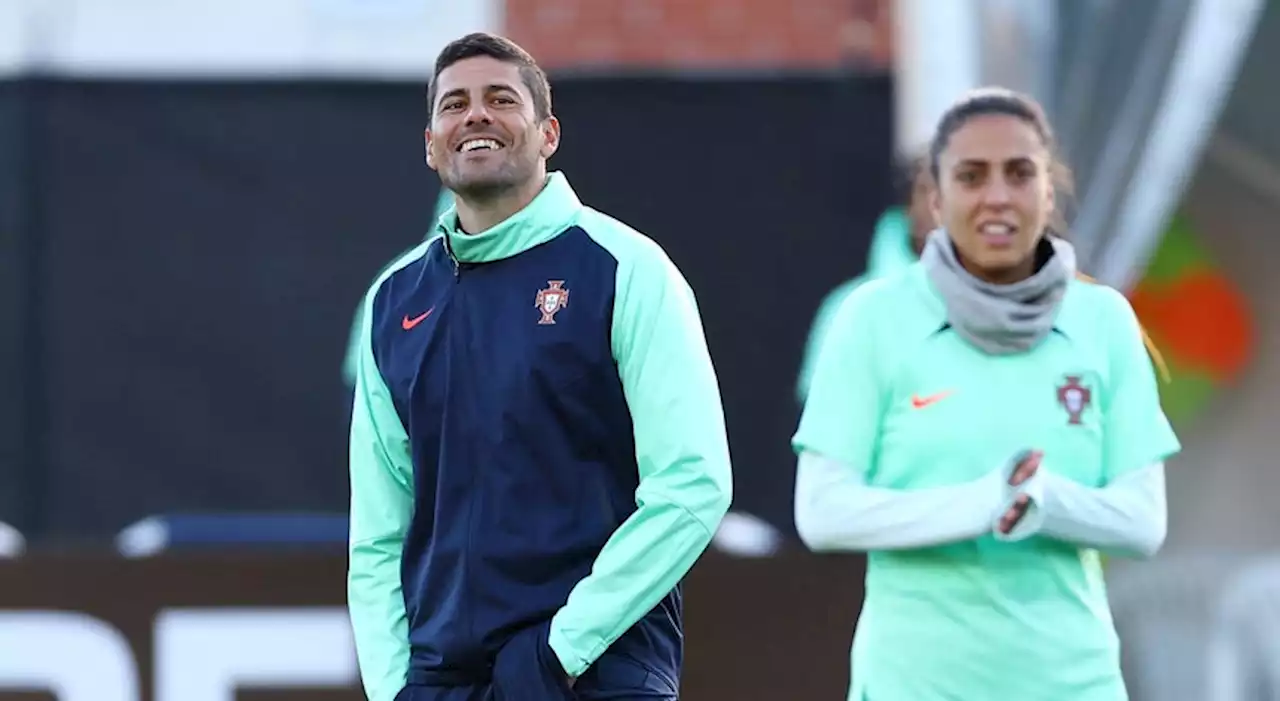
(999,319)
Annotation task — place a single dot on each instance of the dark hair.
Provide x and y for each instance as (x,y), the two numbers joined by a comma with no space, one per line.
(1000,101)
(502,49)
(909,172)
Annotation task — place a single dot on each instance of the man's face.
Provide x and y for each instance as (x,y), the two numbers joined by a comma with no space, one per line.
(485,137)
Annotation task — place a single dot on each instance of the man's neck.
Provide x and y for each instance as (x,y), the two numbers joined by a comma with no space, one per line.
(475,216)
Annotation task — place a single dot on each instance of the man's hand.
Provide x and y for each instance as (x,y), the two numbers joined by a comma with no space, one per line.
(1023,471)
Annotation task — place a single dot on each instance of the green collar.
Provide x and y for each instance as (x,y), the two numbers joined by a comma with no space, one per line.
(555,209)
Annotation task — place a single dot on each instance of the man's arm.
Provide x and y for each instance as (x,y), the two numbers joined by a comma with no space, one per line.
(681,451)
(381,506)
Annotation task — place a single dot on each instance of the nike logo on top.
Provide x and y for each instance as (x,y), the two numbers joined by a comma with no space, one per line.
(918,402)
(408,323)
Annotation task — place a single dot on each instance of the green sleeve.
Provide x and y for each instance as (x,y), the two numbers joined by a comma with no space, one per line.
(681,451)
(841,417)
(381,506)
(351,360)
(1136,432)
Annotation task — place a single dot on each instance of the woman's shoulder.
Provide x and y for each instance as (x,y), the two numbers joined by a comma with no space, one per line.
(1104,313)
(894,301)
(1095,302)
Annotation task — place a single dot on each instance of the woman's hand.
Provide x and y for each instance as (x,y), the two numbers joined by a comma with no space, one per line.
(1023,471)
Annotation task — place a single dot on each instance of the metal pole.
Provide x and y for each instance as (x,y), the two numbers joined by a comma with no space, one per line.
(939,58)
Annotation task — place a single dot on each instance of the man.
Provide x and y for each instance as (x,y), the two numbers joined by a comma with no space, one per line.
(538,451)
(899,237)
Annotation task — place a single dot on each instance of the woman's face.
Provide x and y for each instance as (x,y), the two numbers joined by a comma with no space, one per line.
(994,195)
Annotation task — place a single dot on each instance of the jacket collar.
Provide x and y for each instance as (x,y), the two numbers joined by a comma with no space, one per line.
(555,209)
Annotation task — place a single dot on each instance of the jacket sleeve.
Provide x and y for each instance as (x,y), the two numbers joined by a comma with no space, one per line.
(681,451)
(381,507)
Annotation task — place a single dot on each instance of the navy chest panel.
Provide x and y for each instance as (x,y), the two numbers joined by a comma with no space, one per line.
(511,352)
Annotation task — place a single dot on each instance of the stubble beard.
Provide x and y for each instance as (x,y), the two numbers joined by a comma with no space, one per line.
(508,177)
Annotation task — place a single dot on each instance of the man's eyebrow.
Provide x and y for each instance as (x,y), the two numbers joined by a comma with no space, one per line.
(452,93)
(488,88)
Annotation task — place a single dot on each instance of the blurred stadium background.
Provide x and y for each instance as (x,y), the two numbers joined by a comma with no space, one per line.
(194,195)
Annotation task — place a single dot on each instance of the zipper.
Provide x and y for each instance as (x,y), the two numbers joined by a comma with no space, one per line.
(448,249)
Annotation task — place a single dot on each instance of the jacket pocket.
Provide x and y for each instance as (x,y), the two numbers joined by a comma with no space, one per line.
(526,669)
(617,676)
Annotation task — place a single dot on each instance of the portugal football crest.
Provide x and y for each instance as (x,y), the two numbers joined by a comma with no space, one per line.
(551,300)
(1074,398)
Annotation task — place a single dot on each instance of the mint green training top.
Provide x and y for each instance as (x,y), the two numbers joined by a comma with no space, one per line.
(909,405)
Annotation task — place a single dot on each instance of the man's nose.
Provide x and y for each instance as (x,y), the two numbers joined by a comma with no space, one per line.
(478,112)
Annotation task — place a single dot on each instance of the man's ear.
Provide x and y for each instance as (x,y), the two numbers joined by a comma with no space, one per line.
(431,161)
(550,137)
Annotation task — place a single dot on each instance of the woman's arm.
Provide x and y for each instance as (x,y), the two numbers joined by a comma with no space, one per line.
(1128,517)
(836,511)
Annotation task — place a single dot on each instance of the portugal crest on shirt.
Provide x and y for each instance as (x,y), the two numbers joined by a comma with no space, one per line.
(551,300)
(1074,398)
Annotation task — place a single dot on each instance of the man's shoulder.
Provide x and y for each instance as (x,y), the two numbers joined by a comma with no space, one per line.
(406,260)
(630,247)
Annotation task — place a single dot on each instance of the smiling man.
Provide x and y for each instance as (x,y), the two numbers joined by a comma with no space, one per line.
(538,451)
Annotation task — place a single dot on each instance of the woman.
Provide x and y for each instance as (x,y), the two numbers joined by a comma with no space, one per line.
(984,424)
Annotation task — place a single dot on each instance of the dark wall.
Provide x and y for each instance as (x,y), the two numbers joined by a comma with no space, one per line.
(755,630)
(204,247)
(16,305)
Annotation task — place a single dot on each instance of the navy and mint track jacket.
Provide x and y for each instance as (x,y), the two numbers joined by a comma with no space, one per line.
(537,440)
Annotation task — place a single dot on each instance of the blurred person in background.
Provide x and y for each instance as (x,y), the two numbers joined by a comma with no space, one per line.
(898,239)
(983,424)
(538,449)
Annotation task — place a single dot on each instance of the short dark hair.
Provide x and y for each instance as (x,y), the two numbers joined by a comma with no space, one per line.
(502,49)
(1001,101)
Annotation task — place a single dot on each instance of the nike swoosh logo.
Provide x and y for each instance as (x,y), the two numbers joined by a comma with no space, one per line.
(406,323)
(918,402)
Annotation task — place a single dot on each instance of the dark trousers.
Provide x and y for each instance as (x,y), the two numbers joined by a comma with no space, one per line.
(526,669)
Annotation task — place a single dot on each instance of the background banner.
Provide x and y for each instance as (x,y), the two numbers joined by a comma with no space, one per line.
(243,627)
